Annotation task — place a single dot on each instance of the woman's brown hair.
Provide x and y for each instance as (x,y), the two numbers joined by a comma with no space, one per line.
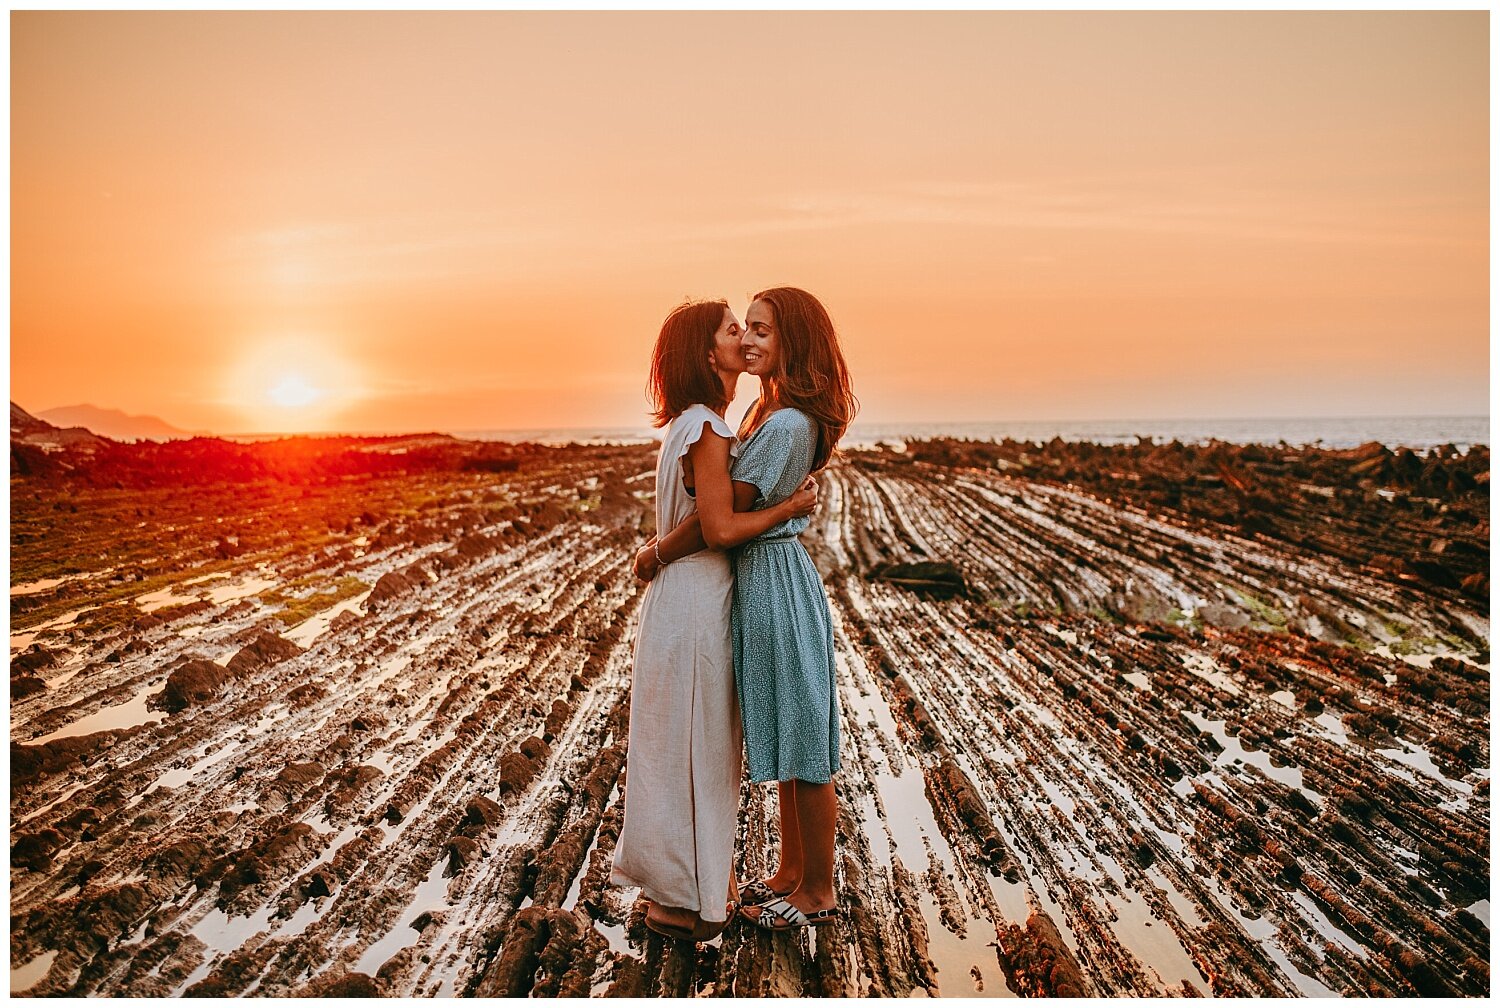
(811,374)
(680,372)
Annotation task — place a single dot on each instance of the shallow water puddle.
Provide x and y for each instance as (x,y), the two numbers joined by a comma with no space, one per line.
(206,577)
(23,640)
(221,934)
(25,977)
(304,633)
(1186,909)
(1263,930)
(1327,929)
(430,895)
(129,714)
(908,822)
(168,596)
(1208,670)
(46,584)
(1291,776)
(1153,943)
(305,915)
(570,901)
(176,778)
(1333,727)
(270,715)
(1420,760)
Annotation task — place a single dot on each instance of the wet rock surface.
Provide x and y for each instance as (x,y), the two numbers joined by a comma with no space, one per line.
(1147,741)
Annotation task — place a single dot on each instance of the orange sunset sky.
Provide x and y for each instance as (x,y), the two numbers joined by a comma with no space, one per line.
(380,221)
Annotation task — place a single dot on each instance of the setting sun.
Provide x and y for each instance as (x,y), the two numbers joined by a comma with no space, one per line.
(291,383)
(294,390)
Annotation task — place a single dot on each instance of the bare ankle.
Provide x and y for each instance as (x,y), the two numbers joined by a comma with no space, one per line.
(811,899)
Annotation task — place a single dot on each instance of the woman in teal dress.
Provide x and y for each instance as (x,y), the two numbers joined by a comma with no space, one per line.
(783,630)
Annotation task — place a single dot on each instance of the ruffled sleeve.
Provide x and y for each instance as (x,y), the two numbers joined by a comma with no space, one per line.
(695,419)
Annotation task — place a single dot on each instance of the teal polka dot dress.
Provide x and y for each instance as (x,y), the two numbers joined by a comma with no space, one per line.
(783,630)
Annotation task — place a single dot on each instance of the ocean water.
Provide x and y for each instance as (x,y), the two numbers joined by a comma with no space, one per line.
(1417,433)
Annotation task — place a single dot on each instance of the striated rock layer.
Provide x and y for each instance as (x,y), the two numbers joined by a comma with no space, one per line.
(1098,741)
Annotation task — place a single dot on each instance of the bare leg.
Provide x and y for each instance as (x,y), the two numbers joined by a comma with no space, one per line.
(817,813)
(789,865)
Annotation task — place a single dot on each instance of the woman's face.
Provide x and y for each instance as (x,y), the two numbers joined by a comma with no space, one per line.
(726,354)
(760,342)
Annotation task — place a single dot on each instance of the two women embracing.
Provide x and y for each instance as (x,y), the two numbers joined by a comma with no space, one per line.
(734,654)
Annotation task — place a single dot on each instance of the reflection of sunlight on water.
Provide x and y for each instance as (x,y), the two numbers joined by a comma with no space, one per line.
(1291,776)
(909,822)
(23,978)
(304,633)
(1420,759)
(1333,727)
(122,715)
(223,933)
(46,584)
(1151,941)
(570,901)
(177,778)
(429,896)
(1263,930)
(1207,669)
(167,596)
(206,577)
(1185,907)
(22,640)
(1327,929)
(305,915)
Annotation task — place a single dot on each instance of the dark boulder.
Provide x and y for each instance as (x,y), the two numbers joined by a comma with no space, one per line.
(266,649)
(26,686)
(932,579)
(195,681)
(482,812)
(461,850)
(34,851)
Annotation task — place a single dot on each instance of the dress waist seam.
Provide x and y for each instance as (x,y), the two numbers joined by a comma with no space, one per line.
(774,539)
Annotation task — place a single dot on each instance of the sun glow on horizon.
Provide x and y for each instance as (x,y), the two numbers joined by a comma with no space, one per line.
(294,390)
(1009,214)
(287,383)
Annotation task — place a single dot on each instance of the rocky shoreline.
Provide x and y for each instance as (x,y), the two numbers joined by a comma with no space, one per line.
(348,717)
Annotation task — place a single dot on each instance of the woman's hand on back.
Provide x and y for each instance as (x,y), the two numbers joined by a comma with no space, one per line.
(805,501)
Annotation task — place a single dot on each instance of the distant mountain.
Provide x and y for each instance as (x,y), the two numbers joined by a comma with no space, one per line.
(32,431)
(113,423)
(23,423)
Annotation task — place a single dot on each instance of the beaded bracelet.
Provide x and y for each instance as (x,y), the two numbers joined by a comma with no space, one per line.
(656,548)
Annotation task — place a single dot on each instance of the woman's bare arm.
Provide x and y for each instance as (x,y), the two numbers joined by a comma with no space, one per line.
(724,517)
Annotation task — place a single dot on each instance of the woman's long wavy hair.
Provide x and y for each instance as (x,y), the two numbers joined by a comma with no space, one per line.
(810,373)
(680,372)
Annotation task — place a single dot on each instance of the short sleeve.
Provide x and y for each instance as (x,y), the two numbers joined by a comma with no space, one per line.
(776,455)
(696,420)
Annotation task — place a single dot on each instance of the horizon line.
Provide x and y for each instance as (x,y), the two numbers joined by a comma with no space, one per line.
(368,432)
